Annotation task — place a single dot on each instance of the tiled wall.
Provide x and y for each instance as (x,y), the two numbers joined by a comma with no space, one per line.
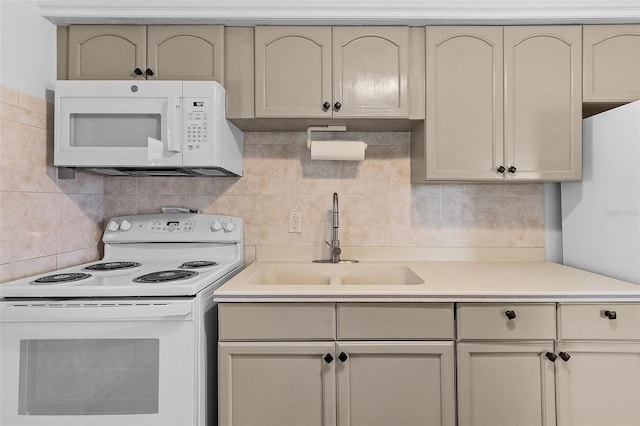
(378,205)
(45,223)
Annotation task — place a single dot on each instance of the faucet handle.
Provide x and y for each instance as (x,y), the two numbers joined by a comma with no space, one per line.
(334,249)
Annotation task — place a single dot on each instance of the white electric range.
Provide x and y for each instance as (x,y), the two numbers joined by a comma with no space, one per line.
(130,339)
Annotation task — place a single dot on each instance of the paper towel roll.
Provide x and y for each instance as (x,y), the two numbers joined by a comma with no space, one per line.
(338,150)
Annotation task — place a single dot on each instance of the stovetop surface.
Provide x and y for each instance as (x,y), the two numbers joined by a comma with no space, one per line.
(194,253)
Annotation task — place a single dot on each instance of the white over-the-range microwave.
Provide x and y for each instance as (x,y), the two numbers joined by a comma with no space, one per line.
(145,128)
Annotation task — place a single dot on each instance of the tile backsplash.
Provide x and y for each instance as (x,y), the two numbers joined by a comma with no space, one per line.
(45,223)
(378,205)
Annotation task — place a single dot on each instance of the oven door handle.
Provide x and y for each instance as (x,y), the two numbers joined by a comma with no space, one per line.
(94,312)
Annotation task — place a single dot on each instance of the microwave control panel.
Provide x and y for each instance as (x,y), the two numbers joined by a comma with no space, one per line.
(196,124)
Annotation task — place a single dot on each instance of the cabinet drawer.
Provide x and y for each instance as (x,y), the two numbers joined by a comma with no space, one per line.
(490,321)
(590,321)
(276,321)
(395,321)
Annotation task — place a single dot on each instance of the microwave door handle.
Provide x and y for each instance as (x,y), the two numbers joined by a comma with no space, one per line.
(96,313)
(173,140)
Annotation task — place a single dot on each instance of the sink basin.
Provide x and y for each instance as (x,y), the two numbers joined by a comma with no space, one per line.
(334,274)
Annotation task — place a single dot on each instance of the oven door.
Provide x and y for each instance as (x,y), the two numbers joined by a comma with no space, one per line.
(118,124)
(107,363)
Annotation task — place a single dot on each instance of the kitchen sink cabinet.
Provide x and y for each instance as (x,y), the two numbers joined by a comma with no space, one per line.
(331,72)
(503,104)
(611,58)
(163,52)
(280,380)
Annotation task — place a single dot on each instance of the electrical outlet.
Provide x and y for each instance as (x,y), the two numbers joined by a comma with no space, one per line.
(295,222)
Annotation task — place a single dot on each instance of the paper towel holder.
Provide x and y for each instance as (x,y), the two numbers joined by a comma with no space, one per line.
(323,129)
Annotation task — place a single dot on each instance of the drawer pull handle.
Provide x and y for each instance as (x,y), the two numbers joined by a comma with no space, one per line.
(343,357)
(610,314)
(551,356)
(328,358)
(510,314)
(565,356)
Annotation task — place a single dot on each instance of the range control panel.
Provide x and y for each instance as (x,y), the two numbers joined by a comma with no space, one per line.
(197,124)
(172,225)
(185,227)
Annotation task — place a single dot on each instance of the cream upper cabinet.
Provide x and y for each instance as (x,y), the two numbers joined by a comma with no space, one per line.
(611,63)
(186,52)
(326,72)
(166,52)
(503,103)
(464,103)
(543,103)
(370,71)
(107,52)
(293,71)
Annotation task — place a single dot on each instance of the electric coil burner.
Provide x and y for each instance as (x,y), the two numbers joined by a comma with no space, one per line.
(194,264)
(112,266)
(61,278)
(164,276)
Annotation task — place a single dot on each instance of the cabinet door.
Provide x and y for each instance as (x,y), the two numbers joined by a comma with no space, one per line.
(611,63)
(505,384)
(293,72)
(395,383)
(186,52)
(599,384)
(543,102)
(464,103)
(370,71)
(276,384)
(106,52)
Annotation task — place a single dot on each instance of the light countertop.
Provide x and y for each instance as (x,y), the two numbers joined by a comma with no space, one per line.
(452,281)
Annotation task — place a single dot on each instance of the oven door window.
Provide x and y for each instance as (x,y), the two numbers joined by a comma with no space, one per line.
(89,376)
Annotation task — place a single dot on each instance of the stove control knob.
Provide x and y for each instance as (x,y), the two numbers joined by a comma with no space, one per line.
(113,226)
(228,227)
(125,225)
(216,226)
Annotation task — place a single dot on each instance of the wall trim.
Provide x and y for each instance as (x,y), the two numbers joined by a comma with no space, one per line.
(340,12)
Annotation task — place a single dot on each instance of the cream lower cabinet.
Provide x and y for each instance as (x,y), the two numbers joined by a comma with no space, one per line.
(505,384)
(502,104)
(598,369)
(270,375)
(505,368)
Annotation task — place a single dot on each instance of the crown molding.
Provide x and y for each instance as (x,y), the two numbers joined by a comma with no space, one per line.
(340,12)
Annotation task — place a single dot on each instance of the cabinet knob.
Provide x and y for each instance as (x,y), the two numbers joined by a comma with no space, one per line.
(611,314)
(326,106)
(500,169)
(337,106)
(343,357)
(510,314)
(511,169)
(551,356)
(565,356)
(137,71)
(328,358)
(148,72)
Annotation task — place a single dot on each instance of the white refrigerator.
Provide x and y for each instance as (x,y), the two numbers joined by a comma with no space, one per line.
(601,214)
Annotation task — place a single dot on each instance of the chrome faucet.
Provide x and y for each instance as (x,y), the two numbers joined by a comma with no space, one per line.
(334,245)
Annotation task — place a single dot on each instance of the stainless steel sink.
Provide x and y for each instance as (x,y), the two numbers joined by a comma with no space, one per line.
(334,274)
